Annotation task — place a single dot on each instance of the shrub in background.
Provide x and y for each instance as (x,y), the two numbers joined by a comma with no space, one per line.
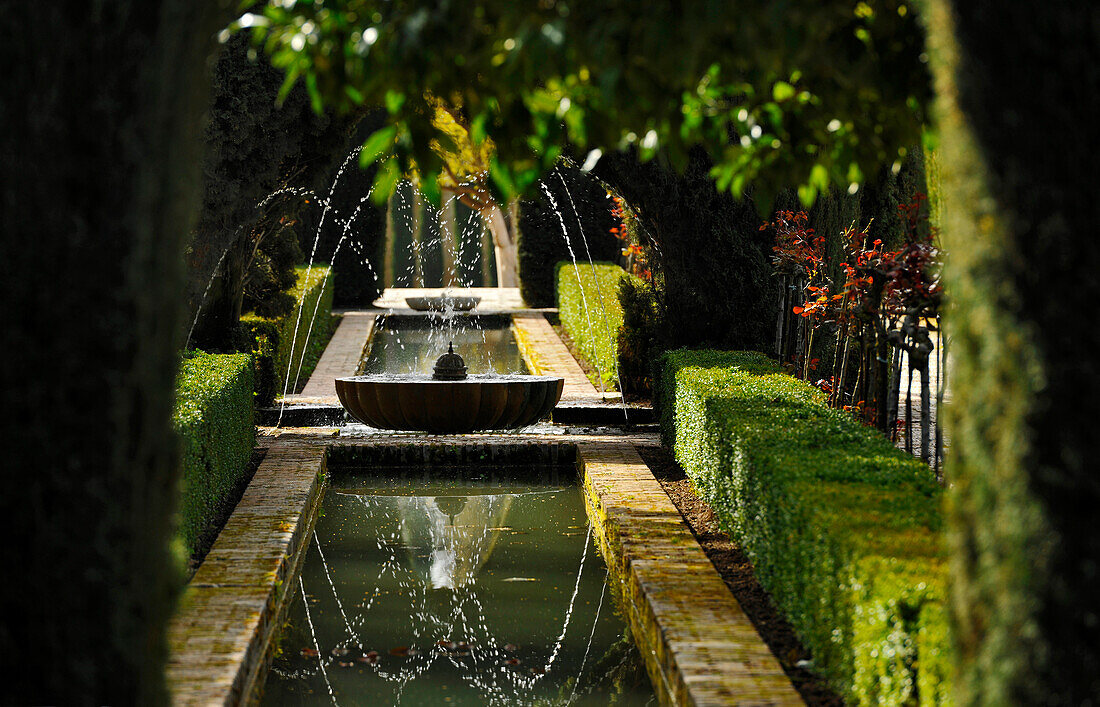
(257,143)
(637,342)
(844,530)
(710,259)
(359,257)
(273,342)
(541,244)
(213,417)
(591,314)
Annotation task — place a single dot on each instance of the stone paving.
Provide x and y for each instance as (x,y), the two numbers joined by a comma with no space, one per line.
(344,352)
(546,355)
(341,358)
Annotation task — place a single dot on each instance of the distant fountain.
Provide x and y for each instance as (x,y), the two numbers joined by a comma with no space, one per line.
(442,303)
(449,401)
(518,396)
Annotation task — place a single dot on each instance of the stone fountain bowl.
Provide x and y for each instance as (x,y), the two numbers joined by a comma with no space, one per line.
(442,303)
(420,403)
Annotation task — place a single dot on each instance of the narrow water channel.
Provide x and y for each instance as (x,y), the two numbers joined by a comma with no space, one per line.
(455,586)
(411,344)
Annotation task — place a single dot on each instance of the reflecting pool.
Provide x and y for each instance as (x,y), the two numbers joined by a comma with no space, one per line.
(461,586)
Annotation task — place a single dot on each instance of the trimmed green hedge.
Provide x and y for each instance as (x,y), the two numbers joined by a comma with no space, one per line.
(595,330)
(213,418)
(273,337)
(844,530)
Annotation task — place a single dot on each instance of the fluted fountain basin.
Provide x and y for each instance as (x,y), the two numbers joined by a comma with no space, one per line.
(416,402)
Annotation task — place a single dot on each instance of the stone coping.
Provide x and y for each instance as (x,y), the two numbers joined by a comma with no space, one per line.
(699,646)
(220,636)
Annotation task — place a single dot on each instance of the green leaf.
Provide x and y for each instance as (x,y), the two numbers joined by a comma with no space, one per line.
(429,187)
(385,181)
(288,84)
(394,101)
(314,93)
(819,177)
(782,90)
(378,144)
(477,127)
(502,178)
(355,95)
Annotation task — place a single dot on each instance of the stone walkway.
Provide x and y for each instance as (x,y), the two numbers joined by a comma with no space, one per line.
(340,358)
(546,355)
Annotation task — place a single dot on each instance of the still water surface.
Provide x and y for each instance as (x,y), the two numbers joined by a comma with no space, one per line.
(479,589)
(412,344)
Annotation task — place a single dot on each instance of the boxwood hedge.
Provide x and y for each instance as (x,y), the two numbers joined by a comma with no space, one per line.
(592,314)
(844,530)
(272,338)
(213,418)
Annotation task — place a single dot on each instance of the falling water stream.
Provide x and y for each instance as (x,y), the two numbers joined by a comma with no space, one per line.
(450,325)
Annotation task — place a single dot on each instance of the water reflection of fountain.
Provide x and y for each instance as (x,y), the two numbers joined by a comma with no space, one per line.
(458,529)
(456,535)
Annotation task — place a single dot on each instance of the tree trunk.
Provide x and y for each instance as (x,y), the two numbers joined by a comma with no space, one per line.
(925,415)
(882,376)
(417,238)
(389,267)
(103,106)
(1018,95)
(504,246)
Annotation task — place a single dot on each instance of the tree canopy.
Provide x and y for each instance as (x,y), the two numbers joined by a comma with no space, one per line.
(780,93)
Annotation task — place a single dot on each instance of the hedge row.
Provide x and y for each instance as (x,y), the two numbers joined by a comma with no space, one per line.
(213,418)
(592,314)
(274,338)
(844,530)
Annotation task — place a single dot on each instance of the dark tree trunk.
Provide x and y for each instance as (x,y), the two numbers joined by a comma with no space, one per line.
(1019,89)
(99,156)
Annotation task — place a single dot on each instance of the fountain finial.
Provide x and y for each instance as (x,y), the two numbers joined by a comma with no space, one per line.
(449,366)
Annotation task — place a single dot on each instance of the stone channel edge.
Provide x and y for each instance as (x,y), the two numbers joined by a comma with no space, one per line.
(221,636)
